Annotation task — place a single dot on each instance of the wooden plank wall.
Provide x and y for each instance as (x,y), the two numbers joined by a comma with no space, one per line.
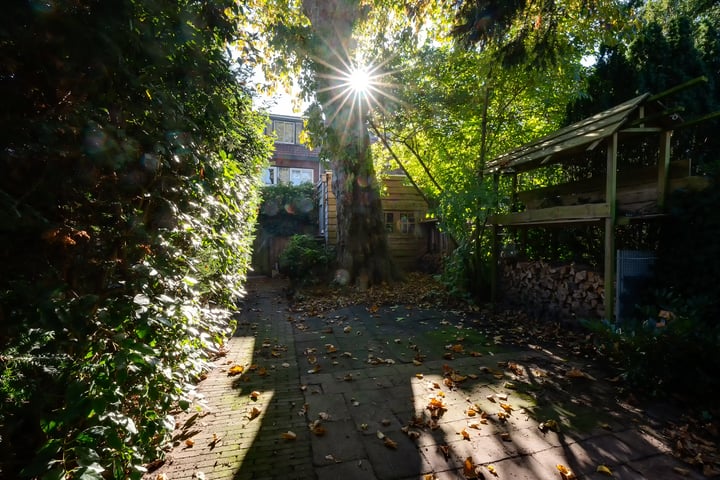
(397,197)
(401,197)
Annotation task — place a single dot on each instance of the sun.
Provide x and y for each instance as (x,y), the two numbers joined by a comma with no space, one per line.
(359,80)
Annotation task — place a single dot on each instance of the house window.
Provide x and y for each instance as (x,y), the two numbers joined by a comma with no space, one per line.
(301,175)
(400,222)
(269,176)
(407,223)
(286,131)
(389,222)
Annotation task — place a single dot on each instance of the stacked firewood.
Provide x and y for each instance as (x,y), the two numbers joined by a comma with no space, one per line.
(556,291)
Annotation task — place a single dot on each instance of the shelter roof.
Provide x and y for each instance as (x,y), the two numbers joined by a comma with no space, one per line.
(578,137)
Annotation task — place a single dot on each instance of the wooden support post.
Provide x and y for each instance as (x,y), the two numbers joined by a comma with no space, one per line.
(663,167)
(494,231)
(611,199)
(494,274)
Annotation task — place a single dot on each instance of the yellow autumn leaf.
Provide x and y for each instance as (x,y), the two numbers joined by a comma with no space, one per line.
(254,413)
(605,470)
(506,407)
(288,435)
(189,442)
(236,370)
(492,470)
(465,434)
(390,443)
(254,394)
(458,378)
(565,473)
(469,468)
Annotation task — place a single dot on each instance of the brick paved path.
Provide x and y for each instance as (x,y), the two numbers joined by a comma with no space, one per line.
(351,376)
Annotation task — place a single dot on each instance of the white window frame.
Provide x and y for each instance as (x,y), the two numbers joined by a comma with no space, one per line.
(297,175)
(285,131)
(270,176)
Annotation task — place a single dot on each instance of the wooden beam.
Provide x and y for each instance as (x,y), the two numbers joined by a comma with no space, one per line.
(610,199)
(677,88)
(495,245)
(568,213)
(663,169)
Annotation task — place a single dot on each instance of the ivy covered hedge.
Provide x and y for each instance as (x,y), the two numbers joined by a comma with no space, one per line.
(130,156)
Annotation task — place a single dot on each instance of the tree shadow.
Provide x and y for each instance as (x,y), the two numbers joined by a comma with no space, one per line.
(358,382)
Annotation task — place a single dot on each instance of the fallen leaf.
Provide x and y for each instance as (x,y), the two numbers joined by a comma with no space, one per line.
(318,430)
(469,468)
(515,368)
(419,376)
(235,370)
(492,470)
(288,435)
(565,473)
(577,373)
(445,450)
(189,442)
(548,425)
(506,407)
(465,434)
(605,470)
(505,436)
(390,443)
(254,395)
(254,413)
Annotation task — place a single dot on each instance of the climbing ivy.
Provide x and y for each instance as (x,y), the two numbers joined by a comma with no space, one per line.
(129,191)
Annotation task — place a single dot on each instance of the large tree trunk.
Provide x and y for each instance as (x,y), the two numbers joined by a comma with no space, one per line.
(363,254)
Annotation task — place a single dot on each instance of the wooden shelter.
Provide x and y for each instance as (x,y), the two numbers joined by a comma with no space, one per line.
(621,195)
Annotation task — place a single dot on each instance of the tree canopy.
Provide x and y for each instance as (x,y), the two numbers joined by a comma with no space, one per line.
(131,157)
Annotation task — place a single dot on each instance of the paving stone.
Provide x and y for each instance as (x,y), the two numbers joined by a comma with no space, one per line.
(352,470)
(341,442)
(276,339)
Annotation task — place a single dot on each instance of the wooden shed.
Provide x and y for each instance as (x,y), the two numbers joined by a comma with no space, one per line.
(623,194)
(404,210)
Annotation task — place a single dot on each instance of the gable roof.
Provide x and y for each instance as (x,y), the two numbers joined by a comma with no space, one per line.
(579,136)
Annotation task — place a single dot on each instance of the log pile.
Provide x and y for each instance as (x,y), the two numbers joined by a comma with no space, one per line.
(554,291)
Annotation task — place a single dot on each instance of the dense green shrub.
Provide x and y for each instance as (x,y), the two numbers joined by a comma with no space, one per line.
(668,351)
(288,209)
(129,156)
(305,261)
